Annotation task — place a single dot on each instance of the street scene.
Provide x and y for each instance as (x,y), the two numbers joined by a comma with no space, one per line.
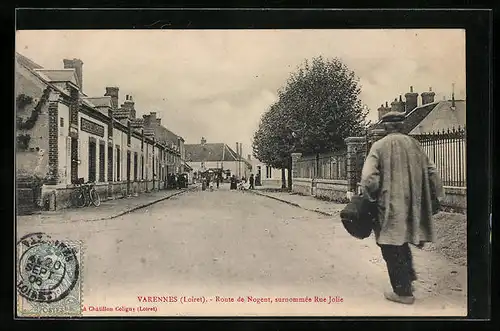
(212,173)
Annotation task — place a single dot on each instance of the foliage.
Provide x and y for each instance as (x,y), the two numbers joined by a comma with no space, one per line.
(23,141)
(317,109)
(323,105)
(22,101)
(270,143)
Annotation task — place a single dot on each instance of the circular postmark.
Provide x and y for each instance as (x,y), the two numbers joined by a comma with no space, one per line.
(47,269)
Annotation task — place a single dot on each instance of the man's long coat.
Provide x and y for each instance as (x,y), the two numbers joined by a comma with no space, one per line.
(399,176)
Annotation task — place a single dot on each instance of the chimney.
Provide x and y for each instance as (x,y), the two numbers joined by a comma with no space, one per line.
(382,111)
(112,91)
(427,97)
(76,64)
(411,100)
(152,117)
(129,105)
(203,141)
(397,105)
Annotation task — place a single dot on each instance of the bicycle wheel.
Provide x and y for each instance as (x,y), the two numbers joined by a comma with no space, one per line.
(78,198)
(95,198)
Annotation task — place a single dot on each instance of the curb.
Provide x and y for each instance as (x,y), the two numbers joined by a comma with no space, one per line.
(292,203)
(141,206)
(128,211)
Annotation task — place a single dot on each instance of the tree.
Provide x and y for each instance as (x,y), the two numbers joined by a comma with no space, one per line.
(323,105)
(317,109)
(269,142)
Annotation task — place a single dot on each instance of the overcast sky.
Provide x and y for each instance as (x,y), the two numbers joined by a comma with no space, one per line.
(217,83)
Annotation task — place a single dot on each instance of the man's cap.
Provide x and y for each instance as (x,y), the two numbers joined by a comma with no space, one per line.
(393,116)
(378,131)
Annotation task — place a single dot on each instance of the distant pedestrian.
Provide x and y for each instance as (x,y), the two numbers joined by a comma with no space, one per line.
(405,187)
(251,181)
(233,183)
(217,180)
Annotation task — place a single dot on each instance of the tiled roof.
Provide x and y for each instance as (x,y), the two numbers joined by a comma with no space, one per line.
(121,113)
(413,118)
(166,136)
(211,153)
(442,117)
(137,122)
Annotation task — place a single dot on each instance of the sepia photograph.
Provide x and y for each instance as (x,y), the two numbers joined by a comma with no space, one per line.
(212,172)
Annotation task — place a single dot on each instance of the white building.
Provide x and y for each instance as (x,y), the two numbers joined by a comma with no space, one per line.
(212,156)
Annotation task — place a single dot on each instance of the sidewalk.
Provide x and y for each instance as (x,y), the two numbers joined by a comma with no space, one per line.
(310,203)
(450,228)
(107,210)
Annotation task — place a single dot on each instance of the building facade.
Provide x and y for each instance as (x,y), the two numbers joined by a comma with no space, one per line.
(205,156)
(64,136)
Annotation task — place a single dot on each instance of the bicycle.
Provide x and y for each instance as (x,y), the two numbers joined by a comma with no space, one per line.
(85,194)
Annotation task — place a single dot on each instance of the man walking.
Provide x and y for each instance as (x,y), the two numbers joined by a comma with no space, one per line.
(217,180)
(399,177)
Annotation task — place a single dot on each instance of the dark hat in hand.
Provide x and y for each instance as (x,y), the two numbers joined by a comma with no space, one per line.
(393,116)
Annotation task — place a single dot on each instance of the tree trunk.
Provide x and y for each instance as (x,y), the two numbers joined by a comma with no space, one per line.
(283,178)
(289,173)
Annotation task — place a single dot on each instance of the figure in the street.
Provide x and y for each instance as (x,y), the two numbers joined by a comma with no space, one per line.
(217,180)
(208,181)
(233,183)
(257,180)
(251,181)
(405,186)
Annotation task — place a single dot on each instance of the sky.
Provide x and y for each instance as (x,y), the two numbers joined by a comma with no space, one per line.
(217,83)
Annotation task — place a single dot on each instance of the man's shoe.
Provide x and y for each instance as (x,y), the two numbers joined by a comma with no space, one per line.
(407,300)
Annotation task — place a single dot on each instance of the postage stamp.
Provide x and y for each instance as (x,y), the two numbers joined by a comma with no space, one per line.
(48,280)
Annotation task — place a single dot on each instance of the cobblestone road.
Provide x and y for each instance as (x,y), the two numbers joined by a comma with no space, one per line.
(229,244)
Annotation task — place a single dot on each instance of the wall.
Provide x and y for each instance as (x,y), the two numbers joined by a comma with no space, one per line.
(135,147)
(302,185)
(35,159)
(83,148)
(120,139)
(331,189)
(64,145)
(456,198)
(273,183)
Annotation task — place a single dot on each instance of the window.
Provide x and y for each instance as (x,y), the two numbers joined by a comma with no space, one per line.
(136,165)
(61,122)
(118,156)
(92,159)
(128,165)
(102,160)
(268,172)
(142,166)
(110,163)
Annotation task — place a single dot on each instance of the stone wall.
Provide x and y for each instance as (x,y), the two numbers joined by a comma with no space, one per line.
(455,198)
(302,186)
(331,189)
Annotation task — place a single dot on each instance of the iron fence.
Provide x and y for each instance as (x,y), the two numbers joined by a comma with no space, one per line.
(326,166)
(447,149)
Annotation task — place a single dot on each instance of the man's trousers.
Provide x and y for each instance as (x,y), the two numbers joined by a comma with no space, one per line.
(400,268)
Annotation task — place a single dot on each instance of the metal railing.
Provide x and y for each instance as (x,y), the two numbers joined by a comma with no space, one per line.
(447,149)
(327,166)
